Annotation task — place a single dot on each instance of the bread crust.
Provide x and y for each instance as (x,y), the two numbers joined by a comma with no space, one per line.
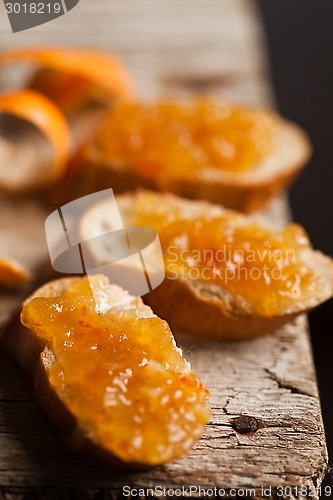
(35,359)
(200,310)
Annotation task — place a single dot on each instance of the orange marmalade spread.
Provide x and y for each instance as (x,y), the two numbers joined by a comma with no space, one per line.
(263,266)
(177,139)
(120,373)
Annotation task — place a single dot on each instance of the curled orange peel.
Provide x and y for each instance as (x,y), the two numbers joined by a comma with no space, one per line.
(48,119)
(98,68)
(12,273)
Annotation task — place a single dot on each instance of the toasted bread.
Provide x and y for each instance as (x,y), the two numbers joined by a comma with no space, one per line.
(85,393)
(210,308)
(244,190)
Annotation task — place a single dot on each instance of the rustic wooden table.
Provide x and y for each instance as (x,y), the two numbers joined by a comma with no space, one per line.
(172,47)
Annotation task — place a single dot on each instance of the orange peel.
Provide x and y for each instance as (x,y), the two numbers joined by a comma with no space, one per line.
(73,72)
(12,273)
(48,119)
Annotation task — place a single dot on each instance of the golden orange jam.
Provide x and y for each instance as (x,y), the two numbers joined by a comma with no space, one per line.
(263,266)
(120,373)
(178,139)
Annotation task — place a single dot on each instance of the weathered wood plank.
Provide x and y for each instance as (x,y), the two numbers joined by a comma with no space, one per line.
(175,47)
(166,40)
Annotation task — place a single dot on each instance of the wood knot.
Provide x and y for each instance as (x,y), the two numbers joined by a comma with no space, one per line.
(245,424)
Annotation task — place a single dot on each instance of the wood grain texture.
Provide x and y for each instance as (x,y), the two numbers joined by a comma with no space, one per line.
(171,47)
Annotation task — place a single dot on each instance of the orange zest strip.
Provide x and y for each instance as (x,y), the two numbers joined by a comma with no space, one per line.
(12,273)
(43,114)
(98,68)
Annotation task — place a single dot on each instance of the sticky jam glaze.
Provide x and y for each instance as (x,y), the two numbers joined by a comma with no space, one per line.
(170,139)
(120,373)
(263,266)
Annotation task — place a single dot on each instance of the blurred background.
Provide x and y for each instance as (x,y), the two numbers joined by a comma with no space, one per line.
(299,35)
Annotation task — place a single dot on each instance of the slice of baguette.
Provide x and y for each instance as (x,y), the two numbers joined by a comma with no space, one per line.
(245,191)
(201,307)
(37,356)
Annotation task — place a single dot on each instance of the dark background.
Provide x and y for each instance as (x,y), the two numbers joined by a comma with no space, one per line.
(300,44)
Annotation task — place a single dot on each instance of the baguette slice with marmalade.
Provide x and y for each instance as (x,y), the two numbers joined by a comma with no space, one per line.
(236,156)
(108,373)
(227,277)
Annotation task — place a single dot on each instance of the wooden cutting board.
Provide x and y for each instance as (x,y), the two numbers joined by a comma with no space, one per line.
(171,47)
